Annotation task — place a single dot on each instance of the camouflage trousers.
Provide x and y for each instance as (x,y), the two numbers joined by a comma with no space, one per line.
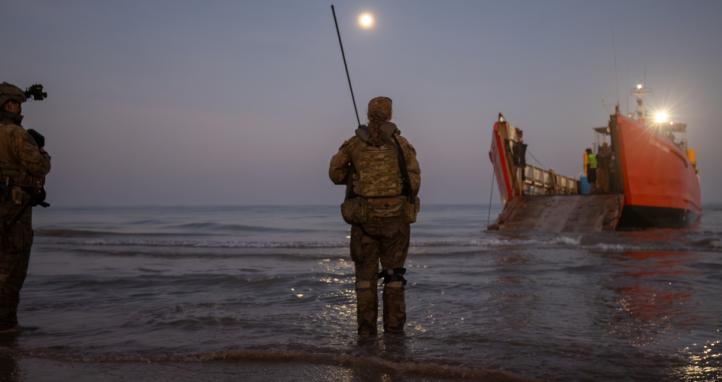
(386,241)
(14,256)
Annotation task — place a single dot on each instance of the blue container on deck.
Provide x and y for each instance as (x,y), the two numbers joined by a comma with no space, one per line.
(584,187)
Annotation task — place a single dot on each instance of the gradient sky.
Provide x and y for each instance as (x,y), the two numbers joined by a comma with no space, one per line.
(227,102)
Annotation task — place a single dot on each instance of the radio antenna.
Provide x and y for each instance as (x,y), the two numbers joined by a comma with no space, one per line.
(345,65)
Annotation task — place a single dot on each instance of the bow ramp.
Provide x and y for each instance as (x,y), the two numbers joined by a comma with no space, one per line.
(537,199)
(561,213)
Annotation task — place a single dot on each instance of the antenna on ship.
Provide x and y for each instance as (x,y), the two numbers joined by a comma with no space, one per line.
(616,72)
(639,92)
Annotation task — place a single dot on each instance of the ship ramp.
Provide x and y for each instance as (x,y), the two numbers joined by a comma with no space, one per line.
(538,199)
(561,213)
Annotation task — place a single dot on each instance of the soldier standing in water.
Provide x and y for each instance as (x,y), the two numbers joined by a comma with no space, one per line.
(23,166)
(379,167)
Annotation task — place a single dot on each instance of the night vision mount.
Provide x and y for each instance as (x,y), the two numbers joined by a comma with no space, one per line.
(36,92)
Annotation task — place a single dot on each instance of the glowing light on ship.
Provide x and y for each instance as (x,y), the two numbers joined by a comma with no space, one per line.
(661,116)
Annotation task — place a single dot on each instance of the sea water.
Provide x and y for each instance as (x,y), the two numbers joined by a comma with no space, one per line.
(194,285)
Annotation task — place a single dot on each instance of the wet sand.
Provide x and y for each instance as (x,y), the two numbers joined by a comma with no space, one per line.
(19,369)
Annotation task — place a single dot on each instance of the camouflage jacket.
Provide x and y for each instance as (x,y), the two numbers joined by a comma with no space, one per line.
(349,153)
(22,162)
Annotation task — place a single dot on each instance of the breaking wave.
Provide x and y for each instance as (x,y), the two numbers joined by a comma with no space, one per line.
(186,229)
(50,232)
(313,249)
(210,226)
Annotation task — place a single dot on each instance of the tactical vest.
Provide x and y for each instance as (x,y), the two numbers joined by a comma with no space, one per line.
(11,175)
(376,172)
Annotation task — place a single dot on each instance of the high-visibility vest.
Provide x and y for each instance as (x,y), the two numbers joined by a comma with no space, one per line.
(592,160)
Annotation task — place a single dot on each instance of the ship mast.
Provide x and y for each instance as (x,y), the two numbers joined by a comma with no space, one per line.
(639,92)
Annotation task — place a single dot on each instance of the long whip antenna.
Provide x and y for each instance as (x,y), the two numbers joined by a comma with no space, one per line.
(345,65)
(616,72)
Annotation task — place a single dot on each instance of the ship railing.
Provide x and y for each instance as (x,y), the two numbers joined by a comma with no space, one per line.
(538,181)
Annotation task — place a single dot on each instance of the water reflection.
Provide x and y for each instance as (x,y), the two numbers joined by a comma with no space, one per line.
(512,294)
(705,362)
(379,358)
(652,294)
(339,296)
(656,305)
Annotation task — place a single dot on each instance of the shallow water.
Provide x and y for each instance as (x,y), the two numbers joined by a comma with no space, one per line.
(197,285)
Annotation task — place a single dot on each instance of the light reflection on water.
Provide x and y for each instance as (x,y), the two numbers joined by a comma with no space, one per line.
(704,362)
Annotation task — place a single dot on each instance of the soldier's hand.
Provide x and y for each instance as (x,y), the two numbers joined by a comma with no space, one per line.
(37,137)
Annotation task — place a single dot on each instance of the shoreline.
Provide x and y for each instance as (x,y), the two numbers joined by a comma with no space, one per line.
(239,365)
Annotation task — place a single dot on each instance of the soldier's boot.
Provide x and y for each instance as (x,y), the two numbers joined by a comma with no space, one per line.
(394,307)
(366,307)
(8,310)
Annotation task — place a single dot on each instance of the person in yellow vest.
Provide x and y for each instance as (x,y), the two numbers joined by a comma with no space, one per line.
(592,169)
(382,176)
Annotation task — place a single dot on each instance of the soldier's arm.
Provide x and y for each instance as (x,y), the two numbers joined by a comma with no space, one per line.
(412,165)
(340,164)
(31,157)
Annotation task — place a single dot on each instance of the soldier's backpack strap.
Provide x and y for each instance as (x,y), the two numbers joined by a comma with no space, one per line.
(404,171)
(349,183)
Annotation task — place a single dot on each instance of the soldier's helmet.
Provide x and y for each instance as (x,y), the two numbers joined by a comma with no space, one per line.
(379,109)
(10,92)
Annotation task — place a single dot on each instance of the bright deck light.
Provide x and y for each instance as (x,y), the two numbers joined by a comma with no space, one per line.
(366,20)
(661,116)
(639,86)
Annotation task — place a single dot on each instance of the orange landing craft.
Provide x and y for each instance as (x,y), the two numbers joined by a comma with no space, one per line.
(649,181)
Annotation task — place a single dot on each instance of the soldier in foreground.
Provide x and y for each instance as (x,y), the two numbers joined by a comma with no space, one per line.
(23,166)
(382,175)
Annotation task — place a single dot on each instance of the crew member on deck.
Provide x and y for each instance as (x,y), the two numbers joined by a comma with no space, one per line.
(592,169)
(518,156)
(604,159)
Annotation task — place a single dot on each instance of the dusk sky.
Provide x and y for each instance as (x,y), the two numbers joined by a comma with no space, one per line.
(227,102)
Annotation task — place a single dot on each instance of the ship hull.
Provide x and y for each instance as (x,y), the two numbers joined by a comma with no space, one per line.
(657,217)
(661,186)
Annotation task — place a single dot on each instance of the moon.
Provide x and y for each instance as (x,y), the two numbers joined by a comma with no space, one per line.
(366,20)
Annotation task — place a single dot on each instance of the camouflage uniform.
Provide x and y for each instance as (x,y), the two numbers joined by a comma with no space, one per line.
(23,166)
(370,159)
